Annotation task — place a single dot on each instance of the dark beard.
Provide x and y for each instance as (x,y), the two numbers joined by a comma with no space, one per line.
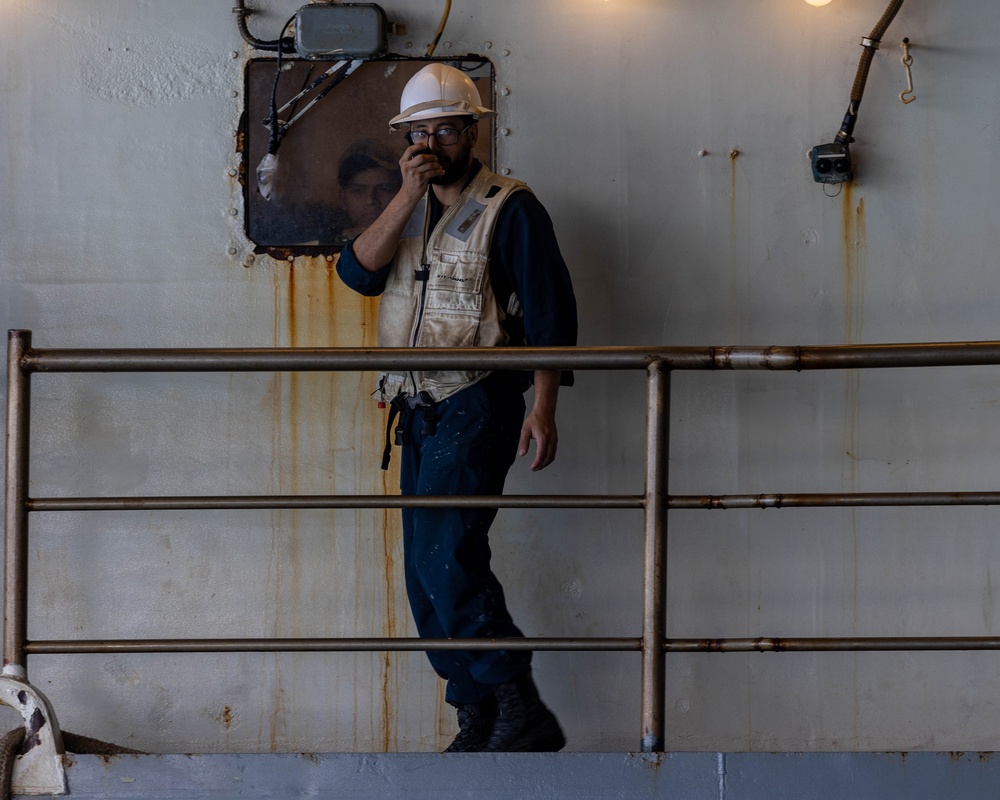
(453,173)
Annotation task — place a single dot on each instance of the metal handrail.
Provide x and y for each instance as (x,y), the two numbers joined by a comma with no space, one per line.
(658,362)
(335,359)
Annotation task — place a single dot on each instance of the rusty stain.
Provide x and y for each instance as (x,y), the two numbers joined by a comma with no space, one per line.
(652,761)
(309,253)
(314,416)
(732,194)
(292,301)
(956,755)
(277,728)
(855,248)
(227,717)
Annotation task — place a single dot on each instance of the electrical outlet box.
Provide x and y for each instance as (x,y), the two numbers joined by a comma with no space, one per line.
(831,163)
(351,30)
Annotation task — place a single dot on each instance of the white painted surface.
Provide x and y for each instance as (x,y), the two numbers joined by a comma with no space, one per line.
(117,141)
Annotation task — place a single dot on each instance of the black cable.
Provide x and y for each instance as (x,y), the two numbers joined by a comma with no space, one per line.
(281,45)
(275,135)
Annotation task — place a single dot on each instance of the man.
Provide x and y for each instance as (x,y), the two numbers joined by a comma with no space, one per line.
(464,257)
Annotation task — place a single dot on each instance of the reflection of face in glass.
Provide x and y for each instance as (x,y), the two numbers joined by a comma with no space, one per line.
(365,196)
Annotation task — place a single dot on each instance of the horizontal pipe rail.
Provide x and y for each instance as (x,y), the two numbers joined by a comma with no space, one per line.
(594,644)
(326,645)
(835,500)
(579,358)
(678,502)
(330,501)
(852,644)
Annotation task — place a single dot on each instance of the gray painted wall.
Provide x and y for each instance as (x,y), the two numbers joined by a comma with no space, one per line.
(122,227)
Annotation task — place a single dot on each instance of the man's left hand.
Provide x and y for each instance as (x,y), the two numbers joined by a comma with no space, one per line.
(542,428)
(541,422)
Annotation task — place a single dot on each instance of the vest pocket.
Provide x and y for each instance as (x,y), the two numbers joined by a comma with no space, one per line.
(454,303)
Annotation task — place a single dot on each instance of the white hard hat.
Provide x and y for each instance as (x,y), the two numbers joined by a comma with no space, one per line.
(439,91)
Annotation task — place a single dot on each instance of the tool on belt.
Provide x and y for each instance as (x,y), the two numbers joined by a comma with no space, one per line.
(405,403)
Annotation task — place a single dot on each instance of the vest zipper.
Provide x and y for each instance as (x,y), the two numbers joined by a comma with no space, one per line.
(423,275)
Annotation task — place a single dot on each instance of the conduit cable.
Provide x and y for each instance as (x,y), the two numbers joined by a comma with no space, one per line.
(437,36)
(280,44)
(870,45)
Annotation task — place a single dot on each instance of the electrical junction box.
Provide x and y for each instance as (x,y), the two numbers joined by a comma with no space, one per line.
(831,163)
(351,30)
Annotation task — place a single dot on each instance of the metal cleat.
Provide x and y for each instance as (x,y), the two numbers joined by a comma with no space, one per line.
(40,767)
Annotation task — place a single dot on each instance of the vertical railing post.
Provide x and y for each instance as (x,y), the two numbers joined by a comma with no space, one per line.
(655,558)
(15,599)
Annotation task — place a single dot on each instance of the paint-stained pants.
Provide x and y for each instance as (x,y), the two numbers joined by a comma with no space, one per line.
(453,592)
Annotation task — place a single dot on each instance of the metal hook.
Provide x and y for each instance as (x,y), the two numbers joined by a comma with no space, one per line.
(907,62)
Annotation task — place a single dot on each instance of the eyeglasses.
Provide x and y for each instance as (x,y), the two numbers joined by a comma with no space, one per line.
(444,136)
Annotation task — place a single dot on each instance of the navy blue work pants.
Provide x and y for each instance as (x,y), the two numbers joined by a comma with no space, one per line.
(453,593)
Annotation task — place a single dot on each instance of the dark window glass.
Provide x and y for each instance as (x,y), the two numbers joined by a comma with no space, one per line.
(337,166)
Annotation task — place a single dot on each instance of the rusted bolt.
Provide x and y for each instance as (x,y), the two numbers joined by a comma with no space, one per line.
(702,153)
(291,258)
(330,259)
(251,258)
(734,154)
(233,173)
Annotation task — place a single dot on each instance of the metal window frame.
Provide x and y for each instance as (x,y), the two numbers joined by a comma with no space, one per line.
(658,362)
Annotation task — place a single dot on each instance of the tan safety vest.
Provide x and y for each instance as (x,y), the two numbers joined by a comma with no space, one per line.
(438,293)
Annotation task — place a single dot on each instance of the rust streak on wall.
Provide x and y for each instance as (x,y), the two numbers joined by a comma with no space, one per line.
(327,437)
(855,249)
(733,155)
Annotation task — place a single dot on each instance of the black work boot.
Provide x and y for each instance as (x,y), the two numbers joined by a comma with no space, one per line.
(475,724)
(525,725)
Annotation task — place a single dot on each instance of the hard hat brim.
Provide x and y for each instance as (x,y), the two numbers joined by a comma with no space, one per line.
(435,109)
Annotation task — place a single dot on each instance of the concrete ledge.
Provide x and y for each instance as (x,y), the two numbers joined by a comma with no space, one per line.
(678,776)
